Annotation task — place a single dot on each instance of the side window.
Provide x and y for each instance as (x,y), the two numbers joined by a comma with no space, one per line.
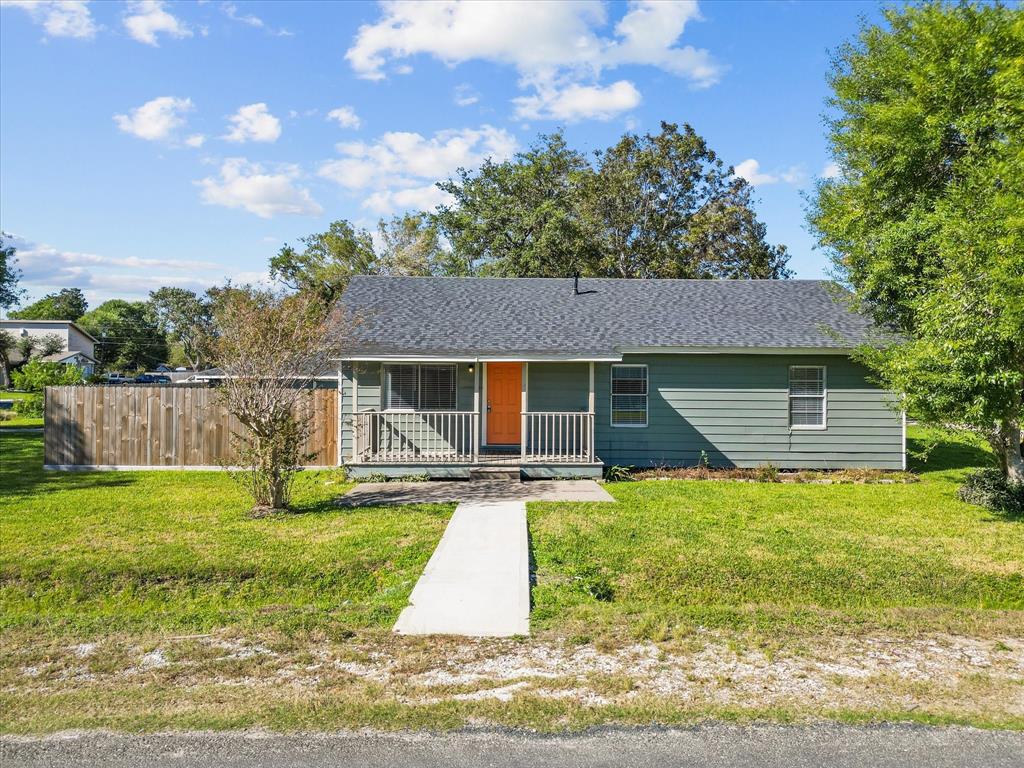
(629,395)
(807,397)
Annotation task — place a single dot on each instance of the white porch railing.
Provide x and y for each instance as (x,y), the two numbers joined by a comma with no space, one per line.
(415,437)
(553,437)
(439,437)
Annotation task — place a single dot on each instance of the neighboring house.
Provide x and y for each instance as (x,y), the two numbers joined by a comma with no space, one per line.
(79,345)
(442,375)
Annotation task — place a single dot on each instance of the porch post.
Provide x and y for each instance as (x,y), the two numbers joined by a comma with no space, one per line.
(475,434)
(355,412)
(591,419)
(341,413)
(522,415)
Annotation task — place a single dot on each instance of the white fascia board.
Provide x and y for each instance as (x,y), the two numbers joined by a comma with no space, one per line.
(481,358)
(734,351)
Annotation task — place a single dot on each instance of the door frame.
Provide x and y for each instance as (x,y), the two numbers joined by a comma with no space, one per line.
(483,402)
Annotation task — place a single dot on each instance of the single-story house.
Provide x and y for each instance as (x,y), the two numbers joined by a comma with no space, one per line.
(79,345)
(563,378)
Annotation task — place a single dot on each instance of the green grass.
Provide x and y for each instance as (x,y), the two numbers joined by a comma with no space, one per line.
(675,555)
(91,553)
(140,561)
(11,420)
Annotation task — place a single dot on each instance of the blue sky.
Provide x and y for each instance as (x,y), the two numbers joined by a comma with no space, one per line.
(149,143)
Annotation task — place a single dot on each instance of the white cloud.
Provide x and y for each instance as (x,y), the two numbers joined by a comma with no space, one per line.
(750,169)
(60,18)
(831,171)
(253,122)
(195,140)
(424,198)
(157,119)
(146,19)
(231,11)
(578,102)
(248,186)
(465,95)
(553,45)
(346,117)
(398,170)
(795,174)
(47,268)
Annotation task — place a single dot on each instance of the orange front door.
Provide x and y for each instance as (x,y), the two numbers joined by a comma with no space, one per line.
(504,402)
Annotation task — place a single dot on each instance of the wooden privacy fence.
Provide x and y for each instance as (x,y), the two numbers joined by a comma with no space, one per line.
(163,426)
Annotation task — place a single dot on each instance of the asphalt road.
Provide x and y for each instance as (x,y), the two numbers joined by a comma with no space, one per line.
(717,745)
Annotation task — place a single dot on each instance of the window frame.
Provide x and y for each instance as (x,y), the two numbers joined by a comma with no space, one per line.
(646,396)
(385,389)
(824,400)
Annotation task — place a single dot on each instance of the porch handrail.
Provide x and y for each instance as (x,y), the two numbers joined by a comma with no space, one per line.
(402,437)
(558,436)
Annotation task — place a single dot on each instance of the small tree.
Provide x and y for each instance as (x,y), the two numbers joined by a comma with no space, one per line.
(271,348)
(35,376)
(187,319)
(26,345)
(50,344)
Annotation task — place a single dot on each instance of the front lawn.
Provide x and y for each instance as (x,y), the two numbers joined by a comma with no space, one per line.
(674,555)
(150,600)
(9,419)
(92,553)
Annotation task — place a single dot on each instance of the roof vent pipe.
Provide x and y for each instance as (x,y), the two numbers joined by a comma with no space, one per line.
(576,283)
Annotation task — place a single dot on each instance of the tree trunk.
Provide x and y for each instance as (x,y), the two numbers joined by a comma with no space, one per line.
(1013,461)
(1008,449)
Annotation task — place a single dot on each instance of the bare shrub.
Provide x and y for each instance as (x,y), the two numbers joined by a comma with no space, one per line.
(271,348)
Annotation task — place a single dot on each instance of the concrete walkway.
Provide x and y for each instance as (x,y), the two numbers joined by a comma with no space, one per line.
(442,492)
(477,582)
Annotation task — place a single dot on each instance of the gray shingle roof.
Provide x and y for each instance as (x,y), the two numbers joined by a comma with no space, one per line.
(542,316)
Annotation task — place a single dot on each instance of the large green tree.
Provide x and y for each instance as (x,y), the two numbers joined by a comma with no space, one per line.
(10,292)
(524,216)
(658,205)
(925,220)
(129,335)
(326,260)
(405,245)
(666,206)
(65,304)
(187,320)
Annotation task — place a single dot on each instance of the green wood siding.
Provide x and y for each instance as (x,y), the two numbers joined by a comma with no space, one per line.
(558,386)
(735,408)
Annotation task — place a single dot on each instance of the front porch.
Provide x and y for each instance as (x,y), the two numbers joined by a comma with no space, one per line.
(446,418)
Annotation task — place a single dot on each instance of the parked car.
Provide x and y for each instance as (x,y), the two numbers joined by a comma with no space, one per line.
(151,378)
(118,378)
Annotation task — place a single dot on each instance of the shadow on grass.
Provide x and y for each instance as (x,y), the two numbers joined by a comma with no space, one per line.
(937,451)
(22,473)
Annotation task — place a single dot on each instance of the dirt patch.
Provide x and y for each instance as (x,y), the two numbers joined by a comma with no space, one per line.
(936,674)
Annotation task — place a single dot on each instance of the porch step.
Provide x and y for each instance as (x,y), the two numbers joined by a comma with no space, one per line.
(495,473)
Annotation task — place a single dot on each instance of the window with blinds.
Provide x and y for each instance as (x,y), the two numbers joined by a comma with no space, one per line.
(629,395)
(420,387)
(807,397)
